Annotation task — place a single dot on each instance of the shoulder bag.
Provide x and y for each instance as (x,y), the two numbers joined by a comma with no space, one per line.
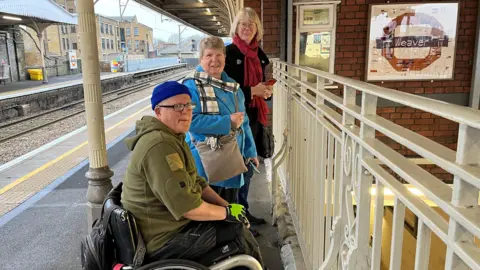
(223,161)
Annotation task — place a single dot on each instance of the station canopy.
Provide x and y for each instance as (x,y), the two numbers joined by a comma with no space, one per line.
(37,14)
(209,16)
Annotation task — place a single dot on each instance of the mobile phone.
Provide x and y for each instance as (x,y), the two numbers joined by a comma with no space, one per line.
(254,167)
(271,82)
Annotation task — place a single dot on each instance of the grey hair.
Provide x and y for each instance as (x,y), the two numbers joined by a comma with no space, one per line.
(211,42)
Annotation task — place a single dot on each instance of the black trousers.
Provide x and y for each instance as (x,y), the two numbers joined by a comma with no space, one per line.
(199,238)
(243,192)
(228,194)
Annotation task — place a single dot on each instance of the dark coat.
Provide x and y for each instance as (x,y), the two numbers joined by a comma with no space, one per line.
(234,67)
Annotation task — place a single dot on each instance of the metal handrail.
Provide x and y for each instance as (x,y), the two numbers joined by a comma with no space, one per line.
(457,113)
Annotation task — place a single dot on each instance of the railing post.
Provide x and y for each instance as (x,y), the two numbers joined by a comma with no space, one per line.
(358,180)
(364,181)
(345,225)
(464,194)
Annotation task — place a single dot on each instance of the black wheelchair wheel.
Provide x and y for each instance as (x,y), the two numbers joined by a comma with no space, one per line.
(174,265)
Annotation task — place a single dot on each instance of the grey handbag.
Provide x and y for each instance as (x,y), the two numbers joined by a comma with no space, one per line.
(223,161)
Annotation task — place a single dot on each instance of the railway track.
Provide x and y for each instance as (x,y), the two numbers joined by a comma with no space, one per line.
(26,125)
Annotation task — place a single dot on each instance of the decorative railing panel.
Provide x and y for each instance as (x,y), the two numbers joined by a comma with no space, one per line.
(334,172)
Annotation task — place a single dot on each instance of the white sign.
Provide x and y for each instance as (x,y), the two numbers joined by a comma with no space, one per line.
(412,41)
(72,58)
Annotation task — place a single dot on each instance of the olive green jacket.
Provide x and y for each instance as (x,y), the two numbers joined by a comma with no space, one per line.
(161,182)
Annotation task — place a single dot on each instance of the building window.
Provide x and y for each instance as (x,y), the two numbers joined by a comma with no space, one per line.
(101,28)
(111,44)
(68,43)
(135,31)
(127,32)
(74,46)
(111,31)
(106,28)
(103,43)
(63,44)
(73,29)
(136,44)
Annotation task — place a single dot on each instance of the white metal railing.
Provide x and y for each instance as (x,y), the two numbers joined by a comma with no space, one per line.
(327,166)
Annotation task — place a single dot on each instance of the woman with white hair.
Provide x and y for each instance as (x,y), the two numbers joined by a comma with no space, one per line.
(246,64)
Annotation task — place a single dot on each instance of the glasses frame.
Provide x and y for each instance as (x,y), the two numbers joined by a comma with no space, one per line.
(179,107)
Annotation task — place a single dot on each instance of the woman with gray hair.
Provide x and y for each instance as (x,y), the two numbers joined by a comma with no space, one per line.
(220,113)
(246,63)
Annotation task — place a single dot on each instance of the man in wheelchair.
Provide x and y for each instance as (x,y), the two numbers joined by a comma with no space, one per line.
(178,214)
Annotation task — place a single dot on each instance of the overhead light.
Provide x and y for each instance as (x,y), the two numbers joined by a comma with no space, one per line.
(208,10)
(214,18)
(12,18)
(201,1)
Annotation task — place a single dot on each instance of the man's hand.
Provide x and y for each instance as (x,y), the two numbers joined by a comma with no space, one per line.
(236,119)
(236,213)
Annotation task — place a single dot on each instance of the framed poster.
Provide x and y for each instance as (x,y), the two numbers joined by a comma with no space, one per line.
(316,16)
(411,41)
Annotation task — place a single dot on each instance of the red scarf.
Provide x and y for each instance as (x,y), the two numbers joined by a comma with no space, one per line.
(253,74)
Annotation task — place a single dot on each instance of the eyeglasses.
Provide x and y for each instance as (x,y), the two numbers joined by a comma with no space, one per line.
(179,107)
(248,25)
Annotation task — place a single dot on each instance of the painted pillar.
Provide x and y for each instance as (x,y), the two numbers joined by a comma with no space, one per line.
(98,175)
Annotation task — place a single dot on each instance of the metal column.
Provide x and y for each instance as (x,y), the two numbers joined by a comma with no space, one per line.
(98,175)
(42,54)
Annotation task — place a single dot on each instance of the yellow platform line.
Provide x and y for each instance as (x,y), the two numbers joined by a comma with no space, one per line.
(52,162)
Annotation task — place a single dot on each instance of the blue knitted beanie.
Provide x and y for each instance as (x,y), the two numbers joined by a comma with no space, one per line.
(168,90)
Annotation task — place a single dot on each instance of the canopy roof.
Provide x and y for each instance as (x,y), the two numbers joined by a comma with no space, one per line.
(209,16)
(43,12)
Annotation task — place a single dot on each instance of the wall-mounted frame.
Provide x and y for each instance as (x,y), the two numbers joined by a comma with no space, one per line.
(414,41)
(316,16)
(315,36)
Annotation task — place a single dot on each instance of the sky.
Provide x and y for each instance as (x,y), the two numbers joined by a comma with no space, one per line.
(161,30)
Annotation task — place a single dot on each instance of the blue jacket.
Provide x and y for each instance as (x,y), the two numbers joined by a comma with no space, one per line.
(220,124)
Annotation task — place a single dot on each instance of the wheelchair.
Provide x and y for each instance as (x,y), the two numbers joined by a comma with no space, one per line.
(130,248)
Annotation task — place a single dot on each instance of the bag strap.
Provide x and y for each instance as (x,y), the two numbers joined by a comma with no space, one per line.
(236,100)
(139,251)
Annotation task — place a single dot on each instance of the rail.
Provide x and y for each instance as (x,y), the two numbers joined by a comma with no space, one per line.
(336,173)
